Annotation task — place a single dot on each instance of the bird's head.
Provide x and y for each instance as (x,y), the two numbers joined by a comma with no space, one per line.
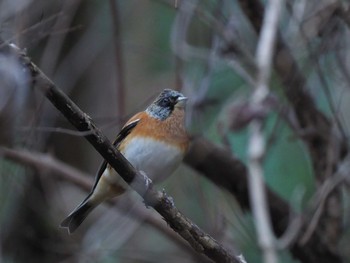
(165,103)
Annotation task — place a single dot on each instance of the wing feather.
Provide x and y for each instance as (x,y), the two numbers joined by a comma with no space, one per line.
(125,131)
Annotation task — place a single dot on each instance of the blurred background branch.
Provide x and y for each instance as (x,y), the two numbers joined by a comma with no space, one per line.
(257,145)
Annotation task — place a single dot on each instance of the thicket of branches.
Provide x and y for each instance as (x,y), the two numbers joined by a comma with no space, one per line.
(267,173)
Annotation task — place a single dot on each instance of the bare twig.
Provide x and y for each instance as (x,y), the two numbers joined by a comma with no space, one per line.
(186,51)
(120,85)
(30,29)
(291,234)
(62,130)
(48,163)
(54,44)
(256,148)
(322,194)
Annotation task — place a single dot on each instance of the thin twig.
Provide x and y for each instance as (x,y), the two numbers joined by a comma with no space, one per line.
(186,51)
(322,194)
(120,85)
(30,29)
(54,44)
(256,148)
(71,132)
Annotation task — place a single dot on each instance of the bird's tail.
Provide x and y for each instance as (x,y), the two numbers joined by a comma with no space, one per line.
(74,219)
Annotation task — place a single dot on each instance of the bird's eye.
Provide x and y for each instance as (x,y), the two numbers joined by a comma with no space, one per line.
(165,102)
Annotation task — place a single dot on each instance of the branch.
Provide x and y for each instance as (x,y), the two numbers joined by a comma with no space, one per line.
(164,205)
(257,148)
(227,171)
(120,85)
(66,172)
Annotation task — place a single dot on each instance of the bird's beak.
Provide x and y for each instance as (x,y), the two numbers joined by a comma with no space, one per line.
(181,101)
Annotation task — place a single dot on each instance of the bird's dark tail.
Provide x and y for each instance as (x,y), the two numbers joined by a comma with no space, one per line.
(74,219)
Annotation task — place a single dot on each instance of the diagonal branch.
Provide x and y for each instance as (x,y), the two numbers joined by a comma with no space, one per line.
(164,205)
(66,172)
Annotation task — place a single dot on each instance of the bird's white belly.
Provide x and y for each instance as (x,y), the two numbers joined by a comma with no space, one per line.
(155,158)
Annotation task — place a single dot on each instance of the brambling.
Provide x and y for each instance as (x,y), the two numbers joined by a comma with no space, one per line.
(154,141)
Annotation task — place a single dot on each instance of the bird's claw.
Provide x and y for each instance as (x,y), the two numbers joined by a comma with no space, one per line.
(146,179)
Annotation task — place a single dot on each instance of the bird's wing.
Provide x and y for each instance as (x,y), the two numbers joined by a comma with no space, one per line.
(129,126)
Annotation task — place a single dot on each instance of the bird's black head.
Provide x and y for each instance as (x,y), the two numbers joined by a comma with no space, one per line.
(165,103)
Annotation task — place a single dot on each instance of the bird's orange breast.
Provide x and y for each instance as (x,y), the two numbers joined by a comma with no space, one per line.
(170,130)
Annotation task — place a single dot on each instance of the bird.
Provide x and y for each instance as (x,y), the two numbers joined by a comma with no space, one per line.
(154,141)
